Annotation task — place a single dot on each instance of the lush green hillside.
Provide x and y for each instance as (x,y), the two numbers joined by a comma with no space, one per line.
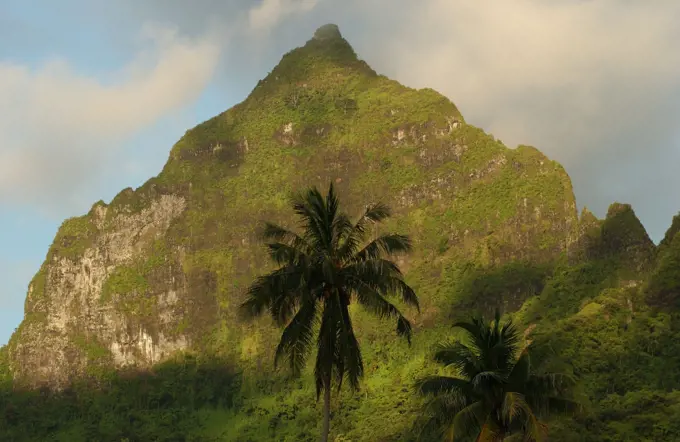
(156,276)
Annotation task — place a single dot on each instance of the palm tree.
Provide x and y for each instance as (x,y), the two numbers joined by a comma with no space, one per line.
(498,397)
(321,270)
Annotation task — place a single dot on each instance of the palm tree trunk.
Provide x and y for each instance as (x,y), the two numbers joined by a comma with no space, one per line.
(326,413)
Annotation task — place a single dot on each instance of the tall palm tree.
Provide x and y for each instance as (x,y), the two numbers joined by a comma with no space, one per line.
(321,270)
(499,396)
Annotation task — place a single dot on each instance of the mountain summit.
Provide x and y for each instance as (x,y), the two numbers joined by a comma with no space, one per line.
(328,32)
(160,269)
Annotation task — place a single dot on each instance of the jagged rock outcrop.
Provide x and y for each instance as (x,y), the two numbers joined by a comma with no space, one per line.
(71,315)
(622,236)
(587,235)
(663,287)
(670,233)
(163,268)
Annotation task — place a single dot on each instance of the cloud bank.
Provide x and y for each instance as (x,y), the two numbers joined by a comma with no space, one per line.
(270,12)
(594,84)
(58,127)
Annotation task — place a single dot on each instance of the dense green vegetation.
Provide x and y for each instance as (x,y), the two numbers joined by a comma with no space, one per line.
(156,405)
(585,321)
(322,270)
(500,395)
(491,227)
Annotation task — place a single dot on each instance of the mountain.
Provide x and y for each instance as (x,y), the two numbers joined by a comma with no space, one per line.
(156,275)
(161,267)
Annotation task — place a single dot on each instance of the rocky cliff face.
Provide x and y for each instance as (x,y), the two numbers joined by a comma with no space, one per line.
(72,317)
(620,236)
(162,268)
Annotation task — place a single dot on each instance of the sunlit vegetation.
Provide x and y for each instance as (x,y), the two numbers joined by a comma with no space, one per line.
(489,228)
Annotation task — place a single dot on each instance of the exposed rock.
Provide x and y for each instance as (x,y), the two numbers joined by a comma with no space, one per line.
(68,302)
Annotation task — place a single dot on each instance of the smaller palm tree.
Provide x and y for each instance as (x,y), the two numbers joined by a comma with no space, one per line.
(498,397)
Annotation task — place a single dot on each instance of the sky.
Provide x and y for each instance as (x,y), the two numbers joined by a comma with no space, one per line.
(93,93)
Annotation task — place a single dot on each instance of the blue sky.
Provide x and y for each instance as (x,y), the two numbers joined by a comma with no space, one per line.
(93,94)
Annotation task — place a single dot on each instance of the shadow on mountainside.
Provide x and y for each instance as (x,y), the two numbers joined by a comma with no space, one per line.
(153,405)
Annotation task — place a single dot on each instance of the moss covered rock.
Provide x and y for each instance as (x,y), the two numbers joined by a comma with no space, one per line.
(670,233)
(158,273)
(622,237)
(163,268)
(663,288)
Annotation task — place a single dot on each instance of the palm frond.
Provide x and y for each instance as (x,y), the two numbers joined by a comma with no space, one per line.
(372,300)
(399,287)
(284,306)
(436,422)
(284,254)
(276,233)
(513,406)
(279,289)
(433,385)
(521,370)
(374,272)
(552,393)
(356,233)
(467,421)
(342,229)
(332,204)
(351,354)
(326,348)
(383,245)
(297,337)
(477,331)
(532,429)
(555,405)
(374,213)
(460,357)
(383,276)
(486,380)
(507,342)
(311,208)
(404,328)
(495,343)
(488,432)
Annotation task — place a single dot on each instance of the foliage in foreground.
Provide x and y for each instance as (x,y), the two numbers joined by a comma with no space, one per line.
(321,271)
(625,355)
(499,395)
(158,405)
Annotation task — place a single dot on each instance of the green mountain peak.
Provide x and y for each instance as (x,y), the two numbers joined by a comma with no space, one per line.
(671,232)
(328,32)
(160,270)
(136,303)
(325,62)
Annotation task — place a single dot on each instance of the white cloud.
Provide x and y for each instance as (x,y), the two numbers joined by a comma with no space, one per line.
(58,128)
(270,12)
(594,84)
(507,63)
